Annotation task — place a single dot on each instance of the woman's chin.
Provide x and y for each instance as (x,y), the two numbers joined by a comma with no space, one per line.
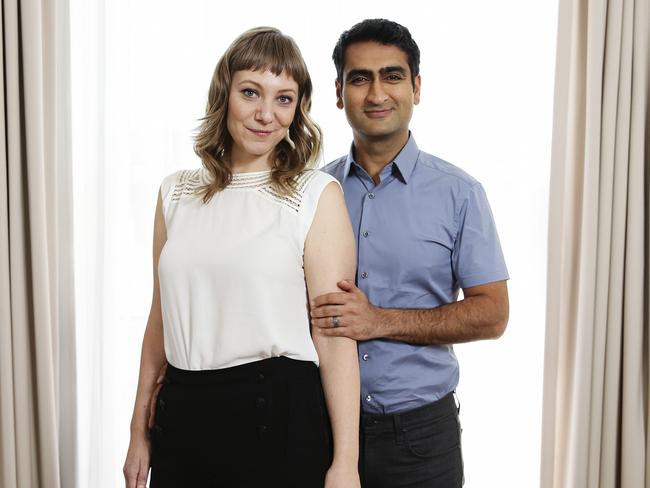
(257,150)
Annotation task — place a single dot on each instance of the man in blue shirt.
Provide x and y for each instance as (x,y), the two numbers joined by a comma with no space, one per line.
(424,230)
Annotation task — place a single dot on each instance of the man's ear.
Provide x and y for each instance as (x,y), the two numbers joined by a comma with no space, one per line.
(339,95)
(416,90)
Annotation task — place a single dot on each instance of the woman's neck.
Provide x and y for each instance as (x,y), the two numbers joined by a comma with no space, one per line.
(248,163)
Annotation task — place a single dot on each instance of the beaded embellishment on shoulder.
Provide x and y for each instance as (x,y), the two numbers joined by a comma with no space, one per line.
(187,183)
(294,200)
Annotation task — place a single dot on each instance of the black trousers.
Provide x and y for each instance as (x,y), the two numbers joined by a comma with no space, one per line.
(415,449)
(262,424)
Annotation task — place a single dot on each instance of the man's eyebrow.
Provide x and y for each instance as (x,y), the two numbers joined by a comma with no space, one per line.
(369,74)
(392,69)
(358,72)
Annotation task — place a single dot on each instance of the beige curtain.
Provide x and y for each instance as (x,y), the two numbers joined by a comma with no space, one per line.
(37,436)
(595,413)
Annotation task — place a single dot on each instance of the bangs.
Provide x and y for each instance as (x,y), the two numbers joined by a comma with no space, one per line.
(272,52)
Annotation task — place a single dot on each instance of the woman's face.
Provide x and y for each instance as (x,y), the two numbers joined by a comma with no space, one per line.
(261,107)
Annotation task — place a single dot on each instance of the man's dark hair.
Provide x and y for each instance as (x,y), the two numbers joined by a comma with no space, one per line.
(384,32)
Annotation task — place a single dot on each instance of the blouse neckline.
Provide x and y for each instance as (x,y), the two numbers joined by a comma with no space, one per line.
(252,179)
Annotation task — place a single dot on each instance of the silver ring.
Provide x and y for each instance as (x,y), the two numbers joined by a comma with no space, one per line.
(335,321)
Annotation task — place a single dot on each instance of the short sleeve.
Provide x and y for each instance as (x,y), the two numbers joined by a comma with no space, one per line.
(317,182)
(477,258)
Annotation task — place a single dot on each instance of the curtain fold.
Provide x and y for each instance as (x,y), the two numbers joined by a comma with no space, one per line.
(595,412)
(36,292)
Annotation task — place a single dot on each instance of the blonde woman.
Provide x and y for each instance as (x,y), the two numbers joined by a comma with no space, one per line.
(252,395)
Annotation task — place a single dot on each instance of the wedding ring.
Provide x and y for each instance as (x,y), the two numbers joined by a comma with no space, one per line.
(335,321)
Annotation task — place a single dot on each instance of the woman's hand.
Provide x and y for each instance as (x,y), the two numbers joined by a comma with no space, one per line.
(136,466)
(342,476)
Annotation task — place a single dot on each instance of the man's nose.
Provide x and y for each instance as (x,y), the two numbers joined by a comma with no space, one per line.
(376,93)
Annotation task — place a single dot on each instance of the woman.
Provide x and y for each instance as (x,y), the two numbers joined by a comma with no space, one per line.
(239,245)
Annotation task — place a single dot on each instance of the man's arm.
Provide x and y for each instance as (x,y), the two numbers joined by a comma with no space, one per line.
(482,314)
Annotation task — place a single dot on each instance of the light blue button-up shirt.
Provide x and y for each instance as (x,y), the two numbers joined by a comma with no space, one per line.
(422,233)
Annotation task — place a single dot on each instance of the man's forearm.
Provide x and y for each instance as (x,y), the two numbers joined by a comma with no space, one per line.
(474,318)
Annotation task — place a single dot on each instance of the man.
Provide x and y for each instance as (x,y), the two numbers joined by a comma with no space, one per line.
(424,230)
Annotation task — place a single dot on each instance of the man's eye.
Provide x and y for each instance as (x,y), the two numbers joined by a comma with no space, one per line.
(394,77)
(358,79)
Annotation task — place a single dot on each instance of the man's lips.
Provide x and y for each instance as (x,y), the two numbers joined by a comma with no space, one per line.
(260,132)
(377,113)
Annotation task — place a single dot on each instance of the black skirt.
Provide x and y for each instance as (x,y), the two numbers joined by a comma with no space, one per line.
(260,424)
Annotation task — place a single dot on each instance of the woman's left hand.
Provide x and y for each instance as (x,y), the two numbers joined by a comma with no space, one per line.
(342,476)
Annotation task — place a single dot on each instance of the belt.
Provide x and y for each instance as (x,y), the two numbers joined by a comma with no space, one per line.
(397,421)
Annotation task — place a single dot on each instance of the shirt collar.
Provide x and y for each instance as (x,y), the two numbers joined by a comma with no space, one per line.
(404,161)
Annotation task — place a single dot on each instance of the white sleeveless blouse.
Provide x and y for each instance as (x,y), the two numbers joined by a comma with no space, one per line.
(232,284)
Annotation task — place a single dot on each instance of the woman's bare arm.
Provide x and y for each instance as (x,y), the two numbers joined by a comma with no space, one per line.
(330,256)
(152,359)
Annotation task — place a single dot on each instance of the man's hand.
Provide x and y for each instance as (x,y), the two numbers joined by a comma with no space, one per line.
(346,314)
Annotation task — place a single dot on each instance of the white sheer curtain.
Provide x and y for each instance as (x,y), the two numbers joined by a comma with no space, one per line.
(37,360)
(140,76)
(596,391)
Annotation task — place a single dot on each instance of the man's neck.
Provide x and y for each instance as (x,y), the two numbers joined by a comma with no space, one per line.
(373,154)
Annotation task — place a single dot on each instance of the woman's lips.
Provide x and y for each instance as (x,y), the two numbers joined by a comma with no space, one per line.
(260,133)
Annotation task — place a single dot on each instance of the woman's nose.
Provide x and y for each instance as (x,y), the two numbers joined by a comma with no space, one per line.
(264,112)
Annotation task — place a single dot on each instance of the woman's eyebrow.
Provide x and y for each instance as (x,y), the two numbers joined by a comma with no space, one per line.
(251,82)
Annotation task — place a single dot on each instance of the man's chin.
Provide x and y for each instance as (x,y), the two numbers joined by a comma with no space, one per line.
(379,134)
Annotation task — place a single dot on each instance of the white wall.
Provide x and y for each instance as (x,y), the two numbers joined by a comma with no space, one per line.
(140,76)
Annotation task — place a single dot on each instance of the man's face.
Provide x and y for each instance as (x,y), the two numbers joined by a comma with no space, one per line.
(377,92)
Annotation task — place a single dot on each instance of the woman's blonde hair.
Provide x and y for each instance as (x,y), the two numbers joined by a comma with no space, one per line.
(261,48)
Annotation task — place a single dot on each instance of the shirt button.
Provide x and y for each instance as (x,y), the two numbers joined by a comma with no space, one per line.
(260,378)
(364,275)
(260,402)
(368,398)
(371,195)
(365,357)
(365,233)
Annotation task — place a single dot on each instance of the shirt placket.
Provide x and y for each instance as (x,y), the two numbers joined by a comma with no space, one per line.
(364,266)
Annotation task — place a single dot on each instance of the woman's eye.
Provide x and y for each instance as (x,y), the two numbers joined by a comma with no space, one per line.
(284,99)
(248,92)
